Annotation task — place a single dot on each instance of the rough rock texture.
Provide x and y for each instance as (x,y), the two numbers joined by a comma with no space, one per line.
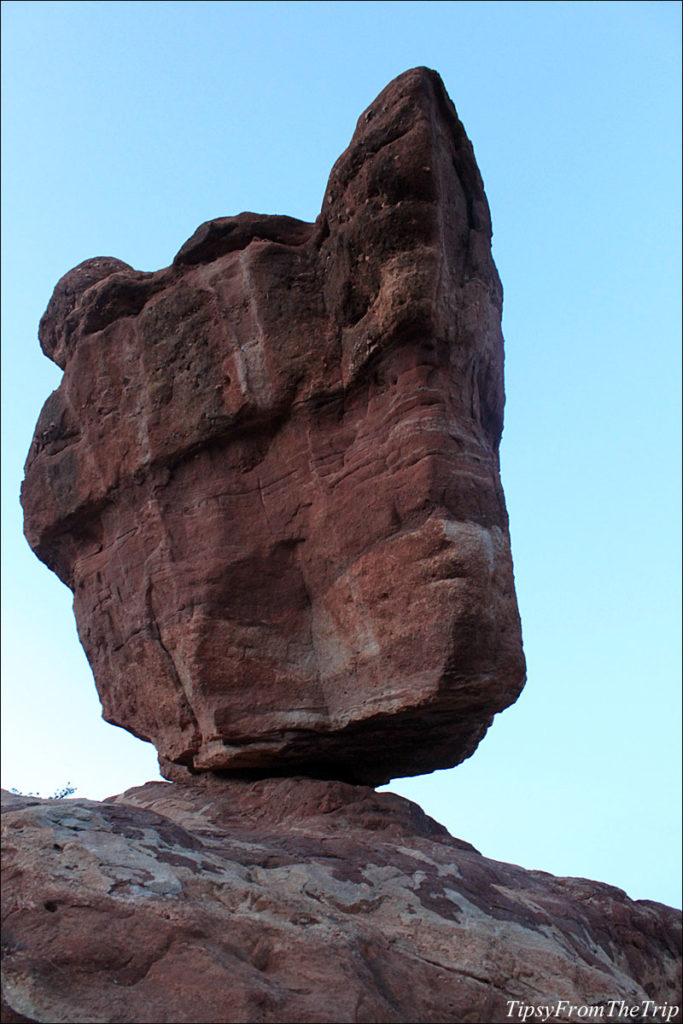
(300,900)
(270,474)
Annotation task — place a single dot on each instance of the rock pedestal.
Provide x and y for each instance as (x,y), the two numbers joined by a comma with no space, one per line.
(270,473)
(237,902)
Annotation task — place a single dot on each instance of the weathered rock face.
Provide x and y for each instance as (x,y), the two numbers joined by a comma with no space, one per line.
(270,474)
(298,900)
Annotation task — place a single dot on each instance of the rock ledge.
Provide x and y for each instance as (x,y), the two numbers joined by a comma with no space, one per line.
(299,900)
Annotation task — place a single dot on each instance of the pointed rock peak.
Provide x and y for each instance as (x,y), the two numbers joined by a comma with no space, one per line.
(407,135)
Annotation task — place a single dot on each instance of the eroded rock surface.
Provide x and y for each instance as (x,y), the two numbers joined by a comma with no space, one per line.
(300,900)
(270,473)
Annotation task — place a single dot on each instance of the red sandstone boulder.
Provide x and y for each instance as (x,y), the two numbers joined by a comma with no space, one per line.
(270,473)
(307,901)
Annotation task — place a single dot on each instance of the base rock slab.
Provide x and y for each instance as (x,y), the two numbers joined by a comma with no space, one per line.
(299,900)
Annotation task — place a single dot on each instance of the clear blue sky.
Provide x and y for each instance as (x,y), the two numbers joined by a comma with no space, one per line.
(125,125)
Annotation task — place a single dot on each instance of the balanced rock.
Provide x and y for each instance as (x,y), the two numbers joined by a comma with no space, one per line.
(301,900)
(270,473)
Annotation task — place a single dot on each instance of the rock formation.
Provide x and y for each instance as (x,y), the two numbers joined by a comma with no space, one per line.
(270,473)
(270,476)
(307,901)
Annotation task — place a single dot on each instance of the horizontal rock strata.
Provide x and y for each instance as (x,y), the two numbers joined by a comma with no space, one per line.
(300,900)
(270,473)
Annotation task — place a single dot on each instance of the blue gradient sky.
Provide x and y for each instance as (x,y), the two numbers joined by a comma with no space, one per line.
(125,125)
